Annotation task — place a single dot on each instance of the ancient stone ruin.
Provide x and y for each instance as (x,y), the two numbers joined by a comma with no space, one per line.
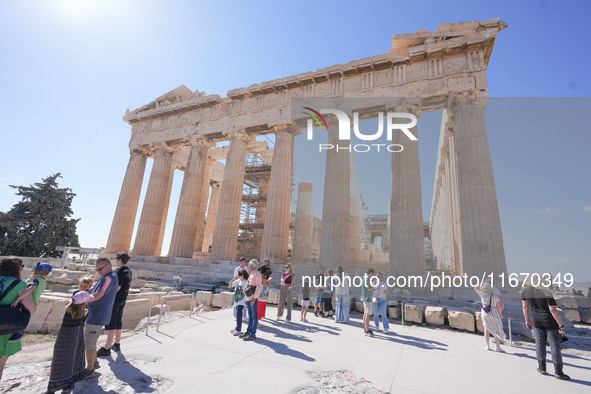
(243,207)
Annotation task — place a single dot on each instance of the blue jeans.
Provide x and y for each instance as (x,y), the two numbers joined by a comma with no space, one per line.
(253,317)
(541,335)
(342,313)
(379,308)
(239,309)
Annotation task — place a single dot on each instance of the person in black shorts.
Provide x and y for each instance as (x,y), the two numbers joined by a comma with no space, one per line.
(114,327)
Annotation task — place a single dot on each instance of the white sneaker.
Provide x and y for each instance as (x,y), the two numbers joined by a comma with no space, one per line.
(386,331)
(501,350)
(305,320)
(487,348)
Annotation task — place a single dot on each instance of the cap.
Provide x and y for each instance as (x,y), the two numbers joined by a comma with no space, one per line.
(82,297)
(43,267)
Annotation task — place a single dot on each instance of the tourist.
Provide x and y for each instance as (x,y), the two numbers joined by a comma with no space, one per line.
(85,283)
(305,301)
(10,285)
(288,281)
(35,287)
(67,363)
(319,284)
(267,276)
(99,311)
(242,266)
(125,277)
(379,305)
(342,297)
(239,284)
(539,310)
(366,298)
(492,315)
(253,287)
(327,294)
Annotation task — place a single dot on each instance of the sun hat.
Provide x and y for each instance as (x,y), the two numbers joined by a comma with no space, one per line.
(43,267)
(82,297)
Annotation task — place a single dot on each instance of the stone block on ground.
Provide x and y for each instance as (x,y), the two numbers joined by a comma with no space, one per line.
(572,315)
(394,312)
(479,324)
(134,312)
(223,299)
(153,296)
(435,315)
(178,302)
(568,302)
(273,297)
(461,320)
(414,313)
(137,283)
(585,314)
(49,315)
(156,309)
(204,297)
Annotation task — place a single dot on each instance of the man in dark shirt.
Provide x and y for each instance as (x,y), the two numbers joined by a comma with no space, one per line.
(541,314)
(114,327)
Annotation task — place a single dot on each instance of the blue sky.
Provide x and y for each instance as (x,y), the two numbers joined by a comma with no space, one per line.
(69,70)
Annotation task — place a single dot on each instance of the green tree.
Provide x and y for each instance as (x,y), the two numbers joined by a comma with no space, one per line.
(40,221)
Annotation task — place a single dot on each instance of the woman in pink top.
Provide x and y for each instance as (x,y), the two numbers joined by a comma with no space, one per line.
(254,279)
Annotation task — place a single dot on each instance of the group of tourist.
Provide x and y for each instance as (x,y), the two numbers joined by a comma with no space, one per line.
(92,306)
(539,308)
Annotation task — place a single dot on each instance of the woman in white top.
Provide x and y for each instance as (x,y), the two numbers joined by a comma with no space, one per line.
(492,314)
(380,304)
(341,293)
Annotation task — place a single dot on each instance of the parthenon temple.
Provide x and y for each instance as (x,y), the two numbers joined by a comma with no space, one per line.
(237,187)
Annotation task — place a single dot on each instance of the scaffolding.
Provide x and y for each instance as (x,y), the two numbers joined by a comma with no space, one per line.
(254,203)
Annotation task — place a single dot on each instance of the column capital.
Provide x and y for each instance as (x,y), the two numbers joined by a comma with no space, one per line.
(286,128)
(240,134)
(163,146)
(478,97)
(200,141)
(139,151)
(411,107)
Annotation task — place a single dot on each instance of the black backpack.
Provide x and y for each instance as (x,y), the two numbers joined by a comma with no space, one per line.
(13,319)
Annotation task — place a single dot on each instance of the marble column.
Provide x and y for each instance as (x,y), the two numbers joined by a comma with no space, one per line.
(155,203)
(129,197)
(187,222)
(198,243)
(277,217)
(334,248)
(212,213)
(355,222)
(304,223)
(482,239)
(165,213)
(225,237)
(407,249)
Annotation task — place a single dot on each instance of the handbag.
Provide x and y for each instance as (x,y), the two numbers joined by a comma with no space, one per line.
(13,319)
(250,289)
(487,308)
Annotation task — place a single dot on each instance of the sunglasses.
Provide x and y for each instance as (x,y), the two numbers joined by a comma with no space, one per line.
(100,269)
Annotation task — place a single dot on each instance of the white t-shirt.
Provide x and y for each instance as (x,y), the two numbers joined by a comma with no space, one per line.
(381,291)
(242,284)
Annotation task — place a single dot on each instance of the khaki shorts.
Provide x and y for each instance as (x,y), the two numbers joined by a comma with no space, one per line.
(91,334)
(367,308)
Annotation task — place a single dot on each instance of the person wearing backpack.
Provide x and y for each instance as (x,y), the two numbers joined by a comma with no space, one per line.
(10,285)
(239,284)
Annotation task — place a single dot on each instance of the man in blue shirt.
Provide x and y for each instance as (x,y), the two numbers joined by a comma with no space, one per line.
(99,310)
